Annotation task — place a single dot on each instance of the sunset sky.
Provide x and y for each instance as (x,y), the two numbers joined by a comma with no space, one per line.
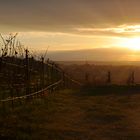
(105,30)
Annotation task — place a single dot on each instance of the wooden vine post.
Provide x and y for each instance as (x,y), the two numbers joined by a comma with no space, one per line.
(27,78)
(42,73)
(108,77)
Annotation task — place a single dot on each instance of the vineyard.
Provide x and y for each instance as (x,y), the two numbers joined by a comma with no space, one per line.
(23,76)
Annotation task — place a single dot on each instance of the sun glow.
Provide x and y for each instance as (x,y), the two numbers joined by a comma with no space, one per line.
(132,43)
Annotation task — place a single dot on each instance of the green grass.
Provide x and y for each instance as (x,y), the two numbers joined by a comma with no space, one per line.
(75,115)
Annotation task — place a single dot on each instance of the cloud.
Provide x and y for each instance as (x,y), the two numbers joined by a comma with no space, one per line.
(98,54)
(64,15)
(120,31)
(72,24)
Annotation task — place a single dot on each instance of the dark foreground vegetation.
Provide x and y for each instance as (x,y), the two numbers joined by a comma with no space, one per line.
(76,115)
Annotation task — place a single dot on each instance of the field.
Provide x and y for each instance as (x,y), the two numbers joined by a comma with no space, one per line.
(86,114)
(97,74)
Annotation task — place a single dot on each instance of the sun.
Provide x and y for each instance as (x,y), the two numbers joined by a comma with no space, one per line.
(133,43)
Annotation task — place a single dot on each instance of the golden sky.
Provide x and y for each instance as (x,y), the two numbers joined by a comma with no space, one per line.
(75,29)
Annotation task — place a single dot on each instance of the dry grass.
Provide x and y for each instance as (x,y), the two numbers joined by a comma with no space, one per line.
(75,115)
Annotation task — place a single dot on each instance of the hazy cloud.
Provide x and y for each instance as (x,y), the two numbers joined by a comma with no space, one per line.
(122,31)
(74,24)
(102,54)
(64,15)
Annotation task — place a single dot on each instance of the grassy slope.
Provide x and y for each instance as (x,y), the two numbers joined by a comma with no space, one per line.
(75,115)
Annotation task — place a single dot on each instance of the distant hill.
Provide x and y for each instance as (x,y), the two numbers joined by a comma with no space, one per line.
(125,63)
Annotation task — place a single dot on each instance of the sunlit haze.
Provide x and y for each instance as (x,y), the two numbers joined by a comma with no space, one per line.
(95,30)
